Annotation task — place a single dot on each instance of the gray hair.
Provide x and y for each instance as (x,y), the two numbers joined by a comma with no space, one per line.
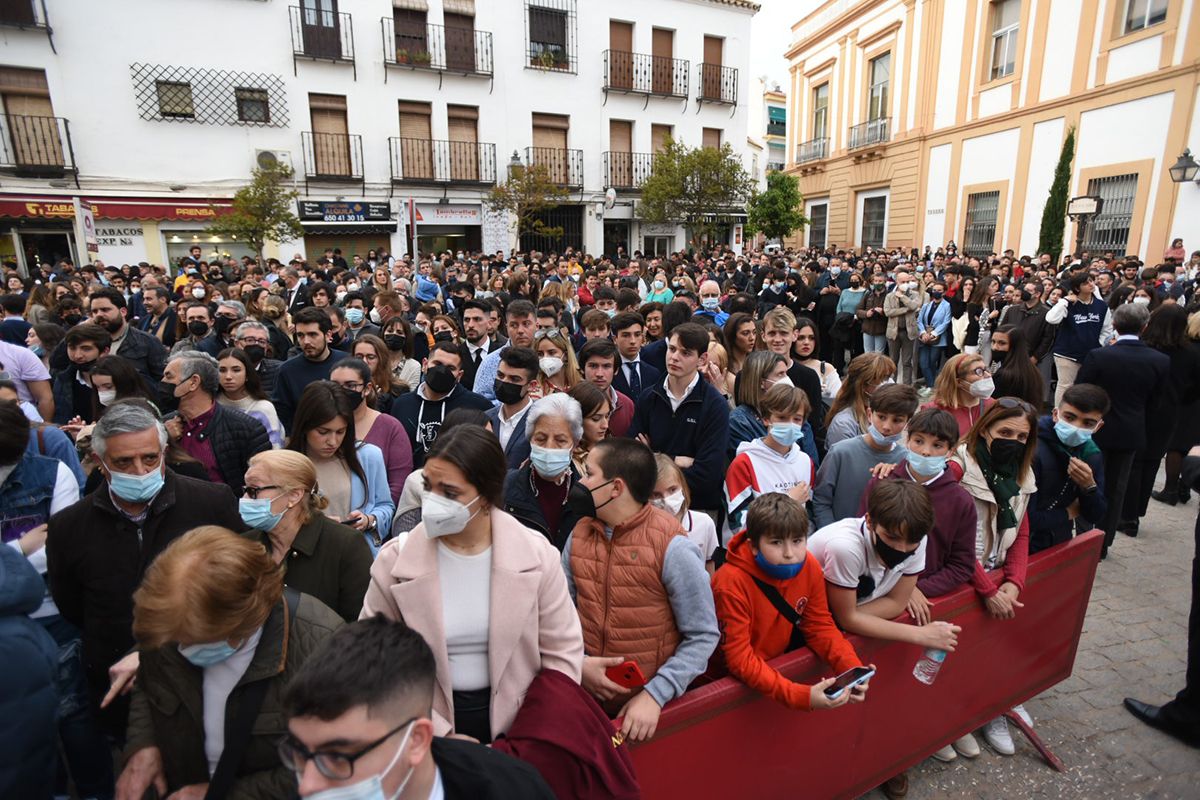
(251,324)
(1130,318)
(125,418)
(236,305)
(194,362)
(561,406)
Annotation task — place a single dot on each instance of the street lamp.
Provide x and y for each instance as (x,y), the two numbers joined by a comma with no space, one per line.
(515,165)
(1185,168)
(1082,210)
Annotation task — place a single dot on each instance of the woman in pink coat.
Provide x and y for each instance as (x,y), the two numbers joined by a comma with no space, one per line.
(487,593)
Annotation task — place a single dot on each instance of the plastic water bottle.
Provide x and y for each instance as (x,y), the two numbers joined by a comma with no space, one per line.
(928,666)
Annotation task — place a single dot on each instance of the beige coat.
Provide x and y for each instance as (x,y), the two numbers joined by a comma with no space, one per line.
(902,308)
(532,626)
(985,508)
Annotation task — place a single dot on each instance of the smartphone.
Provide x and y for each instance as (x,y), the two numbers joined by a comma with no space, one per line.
(848,680)
(627,675)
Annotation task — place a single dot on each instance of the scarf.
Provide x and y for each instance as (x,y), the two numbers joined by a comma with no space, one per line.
(1004,486)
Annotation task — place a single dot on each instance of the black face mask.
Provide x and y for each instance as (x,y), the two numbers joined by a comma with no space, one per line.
(85,368)
(581,502)
(394,342)
(1006,454)
(507,393)
(936,295)
(356,398)
(167,399)
(443,336)
(256,352)
(1025,296)
(221,326)
(439,378)
(198,329)
(890,556)
(73,319)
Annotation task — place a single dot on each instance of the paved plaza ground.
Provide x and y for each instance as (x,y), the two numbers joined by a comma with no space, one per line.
(1134,644)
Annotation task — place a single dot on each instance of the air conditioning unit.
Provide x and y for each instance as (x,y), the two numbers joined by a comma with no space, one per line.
(266,159)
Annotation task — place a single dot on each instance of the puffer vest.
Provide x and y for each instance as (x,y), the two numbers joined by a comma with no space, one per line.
(619,592)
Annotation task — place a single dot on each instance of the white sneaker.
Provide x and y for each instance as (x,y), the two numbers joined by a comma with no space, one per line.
(997,735)
(1020,711)
(967,746)
(946,754)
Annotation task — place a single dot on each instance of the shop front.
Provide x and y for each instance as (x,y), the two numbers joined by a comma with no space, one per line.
(354,227)
(449,226)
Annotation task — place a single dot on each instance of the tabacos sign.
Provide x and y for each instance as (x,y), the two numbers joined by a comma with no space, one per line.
(53,210)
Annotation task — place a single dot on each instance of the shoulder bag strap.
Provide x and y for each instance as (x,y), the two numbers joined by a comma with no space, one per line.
(238,726)
(784,608)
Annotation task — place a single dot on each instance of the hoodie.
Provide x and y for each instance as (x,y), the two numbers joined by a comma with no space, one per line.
(753,631)
(758,469)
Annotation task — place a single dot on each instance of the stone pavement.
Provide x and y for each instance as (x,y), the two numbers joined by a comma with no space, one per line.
(1134,644)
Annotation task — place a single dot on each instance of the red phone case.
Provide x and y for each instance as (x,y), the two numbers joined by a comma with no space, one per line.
(627,675)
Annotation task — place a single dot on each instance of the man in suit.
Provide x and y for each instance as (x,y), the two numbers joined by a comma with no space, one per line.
(633,375)
(517,368)
(479,344)
(1134,375)
(295,293)
(160,319)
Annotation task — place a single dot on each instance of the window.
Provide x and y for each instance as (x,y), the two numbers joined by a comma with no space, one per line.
(412,41)
(874,219)
(659,135)
(1141,14)
(1006,19)
(175,99)
(551,29)
(660,246)
(880,73)
(820,117)
(818,223)
(776,121)
(416,135)
(253,106)
(1109,230)
(711,137)
(982,211)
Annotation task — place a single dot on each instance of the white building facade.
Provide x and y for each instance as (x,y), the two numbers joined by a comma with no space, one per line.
(390,112)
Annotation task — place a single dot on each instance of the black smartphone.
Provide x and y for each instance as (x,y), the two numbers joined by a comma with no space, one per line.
(848,680)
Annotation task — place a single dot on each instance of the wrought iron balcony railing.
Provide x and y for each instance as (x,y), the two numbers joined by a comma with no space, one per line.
(641,73)
(874,131)
(438,48)
(812,150)
(718,84)
(441,161)
(627,170)
(332,156)
(37,147)
(321,35)
(564,167)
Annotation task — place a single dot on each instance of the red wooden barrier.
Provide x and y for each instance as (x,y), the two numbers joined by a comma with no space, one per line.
(724,740)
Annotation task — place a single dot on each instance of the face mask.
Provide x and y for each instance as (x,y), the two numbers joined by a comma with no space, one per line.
(73,319)
(370,788)
(354,315)
(443,336)
(936,295)
(340,296)
(394,342)
(611,312)
(256,352)
(257,513)
(879,287)
(205,655)
(356,398)
(778,287)
(780,572)
(418,327)
(711,303)
(855,284)
(508,393)
(926,465)
(1025,296)
(198,293)
(38,350)
(658,285)
(549,462)
(550,365)
(787,433)
(1141,301)
(879,437)
(198,329)
(106,396)
(440,378)
(378,320)
(982,388)
(1006,454)
(582,502)
(890,556)
(352,287)
(835,271)
(1071,435)
(671,503)
(135,488)
(443,516)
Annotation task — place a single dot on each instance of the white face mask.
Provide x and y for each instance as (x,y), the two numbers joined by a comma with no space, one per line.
(982,388)
(784,381)
(374,316)
(106,396)
(445,517)
(550,365)
(198,293)
(372,787)
(671,503)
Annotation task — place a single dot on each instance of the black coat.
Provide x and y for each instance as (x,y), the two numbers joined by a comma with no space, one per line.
(650,376)
(471,771)
(1135,377)
(521,500)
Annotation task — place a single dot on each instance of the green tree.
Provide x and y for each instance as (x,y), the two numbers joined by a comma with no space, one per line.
(1054,215)
(702,188)
(776,212)
(262,211)
(527,193)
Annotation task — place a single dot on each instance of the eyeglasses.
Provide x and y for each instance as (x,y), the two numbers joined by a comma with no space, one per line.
(352,386)
(334,766)
(261,342)
(253,491)
(1013,402)
(978,371)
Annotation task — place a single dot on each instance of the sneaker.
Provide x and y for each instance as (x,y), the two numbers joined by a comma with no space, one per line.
(1020,711)
(946,754)
(997,736)
(966,746)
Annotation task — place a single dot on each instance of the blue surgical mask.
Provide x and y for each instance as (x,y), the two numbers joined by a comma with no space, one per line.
(611,312)
(781,572)
(926,465)
(880,438)
(354,315)
(257,514)
(38,350)
(205,655)
(1070,435)
(135,488)
(549,462)
(787,433)
(710,303)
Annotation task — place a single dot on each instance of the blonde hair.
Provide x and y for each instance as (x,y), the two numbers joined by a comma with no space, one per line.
(717,354)
(1193,326)
(291,470)
(868,369)
(570,371)
(209,585)
(779,319)
(667,469)
(945,387)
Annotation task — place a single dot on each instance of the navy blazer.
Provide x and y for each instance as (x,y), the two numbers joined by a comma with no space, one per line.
(650,377)
(517,451)
(1135,377)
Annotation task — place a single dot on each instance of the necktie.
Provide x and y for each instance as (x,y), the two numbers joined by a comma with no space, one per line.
(478,357)
(635,380)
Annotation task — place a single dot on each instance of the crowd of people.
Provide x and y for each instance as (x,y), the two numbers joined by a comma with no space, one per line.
(331,527)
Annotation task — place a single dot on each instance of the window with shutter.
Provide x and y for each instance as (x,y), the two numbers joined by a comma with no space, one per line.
(549,45)
(711,138)
(175,99)
(550,145)
(416,134)
(658,137)
(330,139)
(464,152)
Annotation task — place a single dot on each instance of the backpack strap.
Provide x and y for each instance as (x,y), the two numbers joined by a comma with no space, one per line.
(785,609)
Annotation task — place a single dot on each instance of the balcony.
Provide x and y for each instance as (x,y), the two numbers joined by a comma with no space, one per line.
(627,170)
(36,147)
(438,161)
(718,84)
(564,167)
(871,132)
(321,36)
(640,73)
(776,128)
(812,150)
(775,166)
(332,156)
(461,51)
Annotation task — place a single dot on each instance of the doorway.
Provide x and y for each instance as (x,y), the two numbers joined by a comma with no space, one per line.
(321,28)
(616,234)
(46,247)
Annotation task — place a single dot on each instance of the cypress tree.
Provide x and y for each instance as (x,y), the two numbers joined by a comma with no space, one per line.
(1054,215)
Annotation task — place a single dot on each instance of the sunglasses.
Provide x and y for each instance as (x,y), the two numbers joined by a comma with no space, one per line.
(1013,402)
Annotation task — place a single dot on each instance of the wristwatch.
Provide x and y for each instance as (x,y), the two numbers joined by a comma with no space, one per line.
(1091,490)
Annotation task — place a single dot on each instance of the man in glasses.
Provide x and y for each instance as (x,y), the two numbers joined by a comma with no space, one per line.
(360,716)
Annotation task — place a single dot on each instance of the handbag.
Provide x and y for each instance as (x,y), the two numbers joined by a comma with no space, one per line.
(783,607)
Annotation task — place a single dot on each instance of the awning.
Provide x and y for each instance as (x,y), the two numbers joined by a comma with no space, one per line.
(148,208)
(348,228)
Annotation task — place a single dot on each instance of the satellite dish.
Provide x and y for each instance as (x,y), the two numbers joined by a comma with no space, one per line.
(610,197)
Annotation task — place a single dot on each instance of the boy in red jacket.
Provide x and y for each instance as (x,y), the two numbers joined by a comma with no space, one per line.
(770,556)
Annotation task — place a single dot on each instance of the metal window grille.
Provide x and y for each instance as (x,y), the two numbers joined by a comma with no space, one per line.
(983,209)
(818,221)
(551,35)
(174,99)
(569,218)
(874,216)
(214,96)
(1109,230)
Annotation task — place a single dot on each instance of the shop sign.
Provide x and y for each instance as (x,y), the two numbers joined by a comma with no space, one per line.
(355,211)
(445,214)
(121,244)
(200,210)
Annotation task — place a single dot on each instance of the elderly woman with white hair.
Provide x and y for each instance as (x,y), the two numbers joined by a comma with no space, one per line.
(536,492)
